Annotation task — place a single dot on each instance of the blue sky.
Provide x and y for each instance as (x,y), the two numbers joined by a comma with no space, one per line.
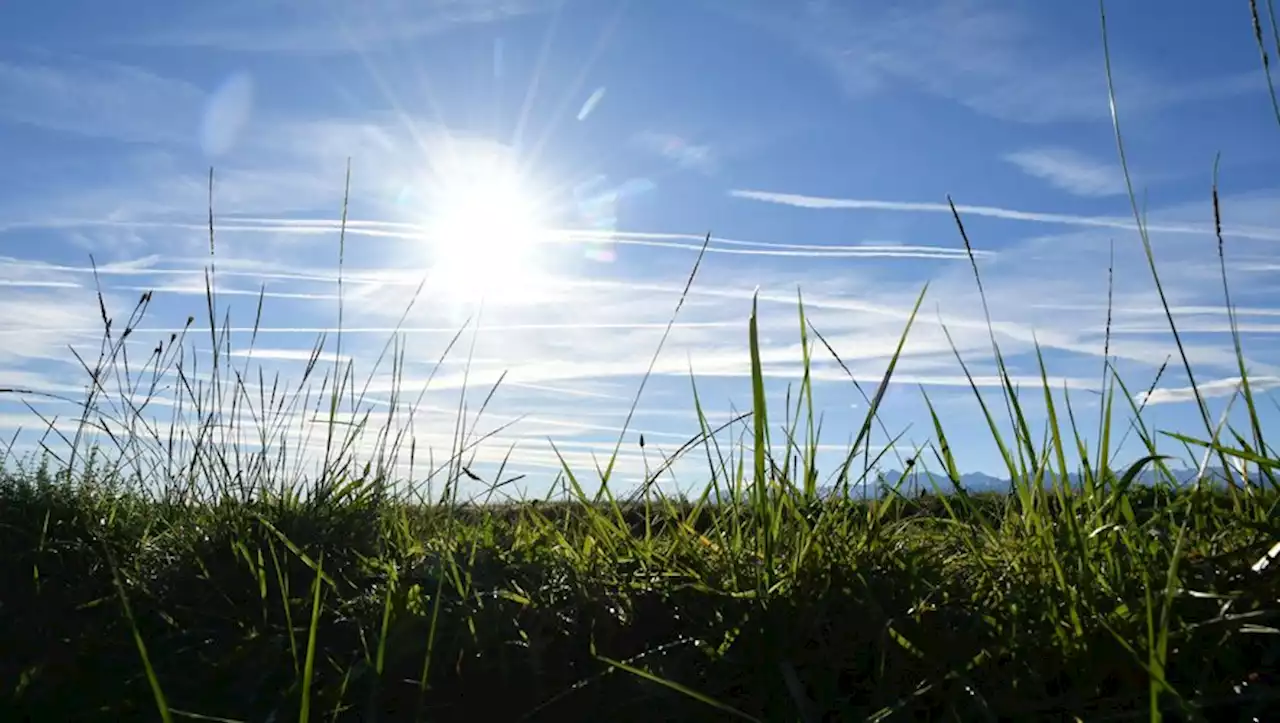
(547,169)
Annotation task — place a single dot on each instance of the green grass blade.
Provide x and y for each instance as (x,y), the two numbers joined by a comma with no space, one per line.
(157,693)
(671,684)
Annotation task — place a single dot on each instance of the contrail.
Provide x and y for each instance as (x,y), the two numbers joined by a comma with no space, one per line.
(419,233)
(799,201)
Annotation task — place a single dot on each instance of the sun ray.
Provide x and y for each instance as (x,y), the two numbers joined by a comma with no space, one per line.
(486,227)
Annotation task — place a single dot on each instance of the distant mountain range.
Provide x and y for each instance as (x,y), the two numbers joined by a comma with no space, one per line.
(975,482)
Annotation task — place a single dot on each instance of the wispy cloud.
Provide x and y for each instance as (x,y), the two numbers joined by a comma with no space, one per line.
(278,166)
(1207,390)
(100,99)
(1070,170)
(634,309)
(329,27)
(39,284)
(419,233)
(1010,214)
(41,322)
(292,355)
(693,156)
(598,336)
(987,56)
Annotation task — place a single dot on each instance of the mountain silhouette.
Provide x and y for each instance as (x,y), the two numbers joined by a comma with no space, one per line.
(917,481)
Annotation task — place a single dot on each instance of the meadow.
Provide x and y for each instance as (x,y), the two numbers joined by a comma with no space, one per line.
(195,569)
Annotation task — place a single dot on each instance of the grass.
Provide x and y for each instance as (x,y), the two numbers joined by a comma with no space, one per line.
(197,570)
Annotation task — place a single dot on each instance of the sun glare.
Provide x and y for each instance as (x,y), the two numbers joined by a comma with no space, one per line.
(486,231)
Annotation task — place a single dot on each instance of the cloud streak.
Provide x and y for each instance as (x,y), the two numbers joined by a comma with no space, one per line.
(101,100)
(1009,214)
(421,234)
(692,156)
(328,27)
(987,56)
(1070,171)
(1208,390)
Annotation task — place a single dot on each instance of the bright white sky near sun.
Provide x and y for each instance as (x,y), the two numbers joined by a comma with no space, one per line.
(562,161)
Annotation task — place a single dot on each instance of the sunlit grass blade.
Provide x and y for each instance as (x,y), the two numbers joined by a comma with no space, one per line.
(861,441)
(761,488)
(635,402)
(157,693)
(1142,230)
(309,666)
(679,688)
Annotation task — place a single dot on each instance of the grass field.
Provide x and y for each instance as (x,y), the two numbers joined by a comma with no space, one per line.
(190,571)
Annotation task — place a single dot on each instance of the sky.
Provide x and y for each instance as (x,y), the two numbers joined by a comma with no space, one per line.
(539,175)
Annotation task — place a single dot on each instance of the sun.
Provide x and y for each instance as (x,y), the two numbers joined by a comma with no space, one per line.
(486,229)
